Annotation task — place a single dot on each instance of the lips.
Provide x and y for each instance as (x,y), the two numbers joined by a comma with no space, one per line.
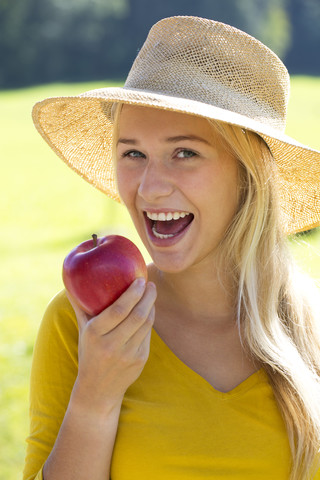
(167,225)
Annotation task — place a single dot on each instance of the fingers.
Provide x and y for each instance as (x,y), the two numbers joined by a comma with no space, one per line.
(134,304)
(140,340)
(122,307)
(114,345)
(141,317)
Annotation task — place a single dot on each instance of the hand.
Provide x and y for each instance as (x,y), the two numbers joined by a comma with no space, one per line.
(113,347)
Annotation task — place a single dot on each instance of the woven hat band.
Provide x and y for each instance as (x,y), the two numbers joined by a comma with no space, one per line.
(213,63)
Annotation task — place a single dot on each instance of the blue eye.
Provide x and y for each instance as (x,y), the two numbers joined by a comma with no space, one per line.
(133,154)
(186,154)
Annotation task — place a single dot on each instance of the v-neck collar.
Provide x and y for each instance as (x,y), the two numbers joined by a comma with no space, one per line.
(171,359)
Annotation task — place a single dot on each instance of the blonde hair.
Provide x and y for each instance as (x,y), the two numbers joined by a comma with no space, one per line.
(277,314)
(278,322)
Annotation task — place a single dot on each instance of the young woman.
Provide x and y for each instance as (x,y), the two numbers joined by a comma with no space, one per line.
(212,368)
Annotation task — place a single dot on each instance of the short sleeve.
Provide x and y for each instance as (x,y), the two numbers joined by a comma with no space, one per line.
(53,373)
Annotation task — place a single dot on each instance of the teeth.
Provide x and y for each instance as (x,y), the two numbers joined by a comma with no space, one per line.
(162,216)
(160,235)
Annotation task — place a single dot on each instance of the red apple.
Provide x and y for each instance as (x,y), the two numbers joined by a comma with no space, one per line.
(98,271)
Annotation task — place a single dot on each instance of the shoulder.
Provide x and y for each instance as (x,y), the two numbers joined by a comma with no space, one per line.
(60,312)
(59,328)
(60,304)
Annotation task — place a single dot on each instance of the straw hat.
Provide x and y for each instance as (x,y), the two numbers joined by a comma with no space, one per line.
(201,67)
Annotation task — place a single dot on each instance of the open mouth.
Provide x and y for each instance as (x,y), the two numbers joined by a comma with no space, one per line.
(166,225)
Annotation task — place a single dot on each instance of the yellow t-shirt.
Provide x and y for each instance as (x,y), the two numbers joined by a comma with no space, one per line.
(173,424)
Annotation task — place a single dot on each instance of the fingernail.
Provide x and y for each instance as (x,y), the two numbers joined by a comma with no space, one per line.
(140,283)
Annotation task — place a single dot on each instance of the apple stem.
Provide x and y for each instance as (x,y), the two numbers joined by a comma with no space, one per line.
(94,238)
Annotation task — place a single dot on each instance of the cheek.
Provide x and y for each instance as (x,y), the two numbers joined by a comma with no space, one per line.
(125,185)
(219,189)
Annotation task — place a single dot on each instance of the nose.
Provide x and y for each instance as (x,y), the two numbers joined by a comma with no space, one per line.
(155,182)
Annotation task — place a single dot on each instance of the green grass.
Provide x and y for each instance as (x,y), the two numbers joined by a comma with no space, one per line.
(46,210)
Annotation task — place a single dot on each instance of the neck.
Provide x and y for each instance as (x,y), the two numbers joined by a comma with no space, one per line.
(198,295)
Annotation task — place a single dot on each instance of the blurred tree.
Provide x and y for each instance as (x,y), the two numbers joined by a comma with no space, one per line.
(303,56)
(267,20)
(13,18)
(75,40)
(42,41)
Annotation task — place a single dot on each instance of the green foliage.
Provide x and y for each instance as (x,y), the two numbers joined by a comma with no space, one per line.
(269,22)
(77,40)
(276,30)
(303,55)
(304,110)
(47,210)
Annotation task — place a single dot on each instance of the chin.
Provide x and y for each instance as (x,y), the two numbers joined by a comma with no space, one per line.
(172,264)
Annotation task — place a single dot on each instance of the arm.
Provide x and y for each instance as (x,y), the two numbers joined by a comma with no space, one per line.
(84,445)
(113,348)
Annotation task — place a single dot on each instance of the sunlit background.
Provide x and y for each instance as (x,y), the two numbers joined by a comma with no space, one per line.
(59,47)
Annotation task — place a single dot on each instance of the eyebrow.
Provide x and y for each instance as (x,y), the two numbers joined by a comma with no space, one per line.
(178,138)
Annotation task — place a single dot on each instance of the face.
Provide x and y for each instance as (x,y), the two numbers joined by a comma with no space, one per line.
(178,182)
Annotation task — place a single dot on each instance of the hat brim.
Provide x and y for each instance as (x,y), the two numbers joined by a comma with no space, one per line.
(79,129)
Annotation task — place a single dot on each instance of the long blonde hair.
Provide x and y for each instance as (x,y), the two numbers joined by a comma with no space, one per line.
(278,315)
(277,319)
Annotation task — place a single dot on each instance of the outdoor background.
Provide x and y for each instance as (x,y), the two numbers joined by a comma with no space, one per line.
(64,47)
